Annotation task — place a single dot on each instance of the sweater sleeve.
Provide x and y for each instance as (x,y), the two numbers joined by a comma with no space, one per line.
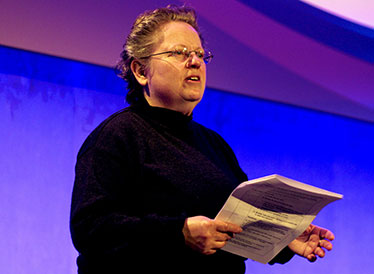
(105,215)
(283,256)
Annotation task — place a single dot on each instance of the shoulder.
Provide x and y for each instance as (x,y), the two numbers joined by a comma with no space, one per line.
(209,134)
(115,129)
(119,121)
(212,142)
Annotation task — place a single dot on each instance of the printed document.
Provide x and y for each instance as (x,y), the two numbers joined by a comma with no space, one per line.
(272,211)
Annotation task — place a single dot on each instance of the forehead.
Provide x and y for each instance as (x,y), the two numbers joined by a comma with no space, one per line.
(178,33)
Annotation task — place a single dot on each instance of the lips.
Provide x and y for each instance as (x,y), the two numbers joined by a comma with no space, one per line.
(193,78)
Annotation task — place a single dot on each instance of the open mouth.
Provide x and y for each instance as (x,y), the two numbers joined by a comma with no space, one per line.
(193,78)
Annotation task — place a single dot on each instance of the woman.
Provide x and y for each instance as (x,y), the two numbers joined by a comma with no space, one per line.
(149,180)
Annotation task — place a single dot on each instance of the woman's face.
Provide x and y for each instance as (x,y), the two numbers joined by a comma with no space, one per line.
(170,82)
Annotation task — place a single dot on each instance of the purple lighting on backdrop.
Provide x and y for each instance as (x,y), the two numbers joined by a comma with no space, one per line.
(46,116)
(291,52)
(335,71)
(49,105)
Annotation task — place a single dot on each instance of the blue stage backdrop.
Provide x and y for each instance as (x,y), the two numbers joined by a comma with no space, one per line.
(49,105)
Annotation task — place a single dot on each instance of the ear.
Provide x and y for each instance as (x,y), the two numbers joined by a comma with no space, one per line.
(138,70)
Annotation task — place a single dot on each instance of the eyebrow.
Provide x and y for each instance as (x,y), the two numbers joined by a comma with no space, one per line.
(182,45)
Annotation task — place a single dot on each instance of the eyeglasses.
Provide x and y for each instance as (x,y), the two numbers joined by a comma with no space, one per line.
(182,54)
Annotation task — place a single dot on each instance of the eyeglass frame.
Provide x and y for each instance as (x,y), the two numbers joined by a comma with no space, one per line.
(184,51)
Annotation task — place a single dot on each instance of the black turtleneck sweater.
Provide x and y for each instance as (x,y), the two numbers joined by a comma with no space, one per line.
(139,175)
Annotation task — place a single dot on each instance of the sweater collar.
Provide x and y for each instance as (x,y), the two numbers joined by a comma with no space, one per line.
(167,117)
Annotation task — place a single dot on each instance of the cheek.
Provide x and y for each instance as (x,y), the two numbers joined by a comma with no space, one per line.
(203,69)
(204,76)
(163,79)
(166,71)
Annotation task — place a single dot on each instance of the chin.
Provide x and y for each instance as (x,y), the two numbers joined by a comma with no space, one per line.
(194,96)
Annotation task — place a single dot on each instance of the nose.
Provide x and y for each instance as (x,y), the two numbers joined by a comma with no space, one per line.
(194,61)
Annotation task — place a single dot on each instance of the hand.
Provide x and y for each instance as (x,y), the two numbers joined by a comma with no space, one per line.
(206,235)
(312,243)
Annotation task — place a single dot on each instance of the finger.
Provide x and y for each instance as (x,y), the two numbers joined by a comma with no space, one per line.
(209,252)
(311,258)
(319,252)
(228,227)
(214,247)
(219,245)
(222,236)
(326,234)
(325,244)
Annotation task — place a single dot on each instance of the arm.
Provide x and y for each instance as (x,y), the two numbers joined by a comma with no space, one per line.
(106,215)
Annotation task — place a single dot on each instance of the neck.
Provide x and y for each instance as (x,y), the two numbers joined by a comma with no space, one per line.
(186,107)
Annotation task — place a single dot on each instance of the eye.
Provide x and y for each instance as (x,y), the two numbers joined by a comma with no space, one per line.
(200,54)
(180,51)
